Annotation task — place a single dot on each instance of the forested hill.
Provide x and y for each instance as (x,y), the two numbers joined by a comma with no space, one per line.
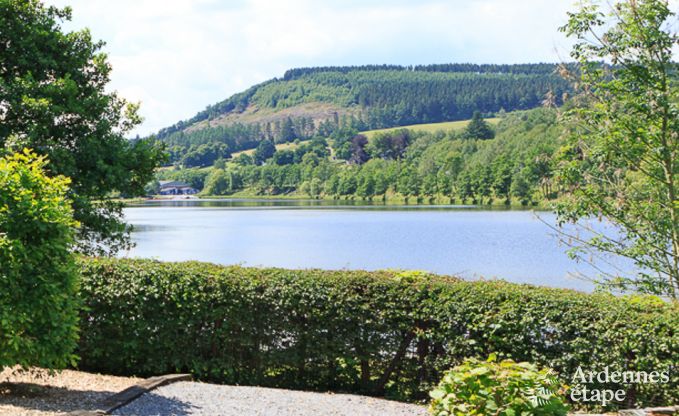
(317,101)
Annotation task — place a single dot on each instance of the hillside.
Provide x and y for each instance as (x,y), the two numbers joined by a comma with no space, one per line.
(444,126)
(513,167)
(318,101)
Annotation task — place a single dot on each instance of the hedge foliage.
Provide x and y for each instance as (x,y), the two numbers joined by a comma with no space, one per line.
(380,333)
(38,278)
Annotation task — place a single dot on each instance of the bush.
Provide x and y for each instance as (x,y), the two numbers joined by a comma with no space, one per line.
(379,333)
(38,284)
(506,388)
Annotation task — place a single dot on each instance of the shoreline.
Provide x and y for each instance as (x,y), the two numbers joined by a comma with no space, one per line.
(393,201)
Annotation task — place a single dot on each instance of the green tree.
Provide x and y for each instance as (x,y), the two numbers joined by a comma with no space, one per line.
(38,280)
(313,188)
(622,160)
(244,159)
(409,182)
(216,183)
(219,163)
(153,187)
(502,178)
(366,186)
(347,184)
(390,145)
(521,187)
(465,186)
(264,151)
(205,155)
(332,185)
(287,131)
(478,128)
(54,100)
(284,157)
(483,183)
(429,186)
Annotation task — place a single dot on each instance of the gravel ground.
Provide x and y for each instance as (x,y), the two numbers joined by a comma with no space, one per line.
(36,393)
(190,398)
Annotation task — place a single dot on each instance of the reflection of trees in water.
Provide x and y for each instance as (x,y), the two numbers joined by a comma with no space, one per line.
(312,203)
(137,228)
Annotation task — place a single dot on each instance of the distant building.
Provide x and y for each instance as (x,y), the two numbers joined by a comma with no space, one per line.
(176,188)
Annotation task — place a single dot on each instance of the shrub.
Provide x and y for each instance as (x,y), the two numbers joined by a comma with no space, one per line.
(38,284)
(503,388)
(379,333)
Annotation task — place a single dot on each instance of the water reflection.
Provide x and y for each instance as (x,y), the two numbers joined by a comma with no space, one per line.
(312,203)
(468,241)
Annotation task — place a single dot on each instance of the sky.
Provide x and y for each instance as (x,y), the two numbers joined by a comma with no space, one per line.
(178,56)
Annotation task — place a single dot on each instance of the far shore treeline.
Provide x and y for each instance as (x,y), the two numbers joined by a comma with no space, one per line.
(459,165)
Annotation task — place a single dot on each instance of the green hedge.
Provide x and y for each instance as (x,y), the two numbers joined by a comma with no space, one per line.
(381,333)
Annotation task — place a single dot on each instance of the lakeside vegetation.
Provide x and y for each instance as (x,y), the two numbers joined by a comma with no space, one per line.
(512,165)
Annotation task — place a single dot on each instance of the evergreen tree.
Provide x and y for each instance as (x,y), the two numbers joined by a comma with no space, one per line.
(287,131)
(478,128)
(264,151)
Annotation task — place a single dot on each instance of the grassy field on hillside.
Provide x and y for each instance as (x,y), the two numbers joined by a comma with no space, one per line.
(280,146)
(430,127)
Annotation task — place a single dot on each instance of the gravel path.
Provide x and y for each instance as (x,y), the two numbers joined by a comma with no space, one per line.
(190,398)
(36,393)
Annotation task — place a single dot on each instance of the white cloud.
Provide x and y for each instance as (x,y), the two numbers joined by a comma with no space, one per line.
(178,56)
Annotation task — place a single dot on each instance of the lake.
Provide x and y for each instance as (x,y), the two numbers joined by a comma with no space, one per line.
(466,241)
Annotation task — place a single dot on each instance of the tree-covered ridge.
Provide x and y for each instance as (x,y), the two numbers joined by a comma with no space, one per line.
(366,97)
(539,68)
(396,97)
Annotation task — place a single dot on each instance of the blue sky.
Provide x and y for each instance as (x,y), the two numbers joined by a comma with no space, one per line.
(177,56)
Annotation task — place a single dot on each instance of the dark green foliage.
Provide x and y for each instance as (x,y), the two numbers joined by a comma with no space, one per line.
(391,145)
(284,157)
(392,96)
(357,150)
(235,137)
(369,97)
(381,333)
(53,99)
(342,142)
(538,69)
(38,278)
(264,151)
(205,155)
(287,131)
(244,159)
(478,128)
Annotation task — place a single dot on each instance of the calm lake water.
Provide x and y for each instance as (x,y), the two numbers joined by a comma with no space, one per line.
(465,241)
